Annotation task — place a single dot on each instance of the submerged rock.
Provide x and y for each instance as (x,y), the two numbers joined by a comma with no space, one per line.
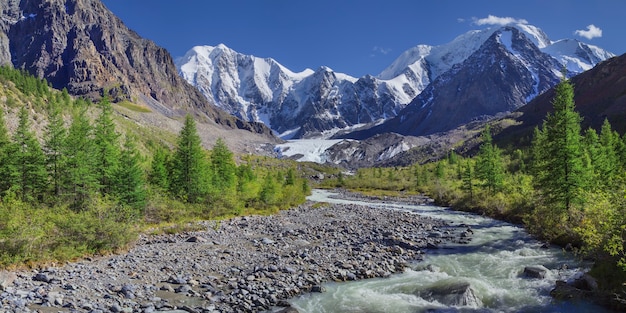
(457,293)
(537,271)
(565,291)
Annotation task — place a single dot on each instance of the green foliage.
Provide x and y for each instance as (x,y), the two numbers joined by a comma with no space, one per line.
(29,174)
(190,167)
(25,82)
(106,141)
(224,168)
(559,172)
(79,179)
(159,176)
(6,166)
(489,165)
(35,234)
(54,141)
(468,180)
(129,182)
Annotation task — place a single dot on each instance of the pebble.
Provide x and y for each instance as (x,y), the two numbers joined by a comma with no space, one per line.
(252,263)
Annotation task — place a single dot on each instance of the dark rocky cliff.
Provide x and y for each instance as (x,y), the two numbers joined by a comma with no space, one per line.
(82,46)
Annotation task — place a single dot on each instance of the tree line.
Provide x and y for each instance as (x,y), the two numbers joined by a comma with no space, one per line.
(567,188)
(79,186)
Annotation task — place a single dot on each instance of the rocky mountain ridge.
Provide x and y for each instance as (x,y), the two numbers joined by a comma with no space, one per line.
(82,46)
(322,102)
(502,75)
(599,94)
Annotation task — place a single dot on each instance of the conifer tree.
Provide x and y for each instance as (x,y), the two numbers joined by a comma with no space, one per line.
(560,175)
(130,183)
(6,167)
(439,170)
(224,167)
(609,154)
(270,191)
(53,148)
(190,178)
(106,141)
(291,177)
(30,175)
(468,180)
(537,152)
(489,164)
(159,176)
(79,178)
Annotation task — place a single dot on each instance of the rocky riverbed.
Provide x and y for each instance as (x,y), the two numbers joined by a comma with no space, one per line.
(245,264)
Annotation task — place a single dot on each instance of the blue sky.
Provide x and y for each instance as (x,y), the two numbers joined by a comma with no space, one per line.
(357,37)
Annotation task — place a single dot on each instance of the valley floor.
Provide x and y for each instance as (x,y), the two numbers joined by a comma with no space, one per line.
(248,263)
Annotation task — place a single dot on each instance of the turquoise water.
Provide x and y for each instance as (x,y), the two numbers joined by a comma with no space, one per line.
(489,269)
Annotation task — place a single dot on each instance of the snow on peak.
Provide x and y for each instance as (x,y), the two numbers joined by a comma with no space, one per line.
(577,56)
(535,34)
(505,38)
(406,59)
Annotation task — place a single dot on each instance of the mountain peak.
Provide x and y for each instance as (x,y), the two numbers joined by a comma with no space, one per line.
(323,101)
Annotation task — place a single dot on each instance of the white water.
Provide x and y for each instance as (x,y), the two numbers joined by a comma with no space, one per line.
(492,264)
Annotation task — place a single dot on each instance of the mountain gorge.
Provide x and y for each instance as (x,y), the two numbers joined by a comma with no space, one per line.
(428,89)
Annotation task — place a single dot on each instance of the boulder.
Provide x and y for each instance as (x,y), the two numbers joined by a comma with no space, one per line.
(455,293)
(536,271)
(565,291)
(586,282)
(6,279)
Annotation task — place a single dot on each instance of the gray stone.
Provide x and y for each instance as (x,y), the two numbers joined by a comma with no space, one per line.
(6,279)
(453,294)
(586,282)
(42,277)
(196,239)
(267,241)
(537,271)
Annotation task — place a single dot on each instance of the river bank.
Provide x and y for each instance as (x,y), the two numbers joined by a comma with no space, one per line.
(248,263)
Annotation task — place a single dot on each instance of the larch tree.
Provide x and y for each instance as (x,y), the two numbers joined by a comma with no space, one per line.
(489,164)
(190,179)
(54,139)
(107,151)
(560,175)
(27,155)
(224,178)
(6,167)
(130,183)
(79,179)
(159,175)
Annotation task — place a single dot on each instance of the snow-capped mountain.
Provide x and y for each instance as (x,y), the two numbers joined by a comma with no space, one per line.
(292,104)
(507,71)
(321,102)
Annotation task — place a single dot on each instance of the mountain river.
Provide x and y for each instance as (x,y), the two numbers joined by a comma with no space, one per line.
(483,276)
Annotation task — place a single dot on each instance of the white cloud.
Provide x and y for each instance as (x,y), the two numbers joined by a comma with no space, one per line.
(497,20)
(380,50)
(591,32)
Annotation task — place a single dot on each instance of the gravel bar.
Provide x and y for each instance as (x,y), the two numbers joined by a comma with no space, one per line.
(245,264)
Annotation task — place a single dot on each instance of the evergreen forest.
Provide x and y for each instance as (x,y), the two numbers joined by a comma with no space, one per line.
(568,188)
(74,183)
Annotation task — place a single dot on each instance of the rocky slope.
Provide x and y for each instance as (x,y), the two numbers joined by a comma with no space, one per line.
(80,45)
(599,94)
